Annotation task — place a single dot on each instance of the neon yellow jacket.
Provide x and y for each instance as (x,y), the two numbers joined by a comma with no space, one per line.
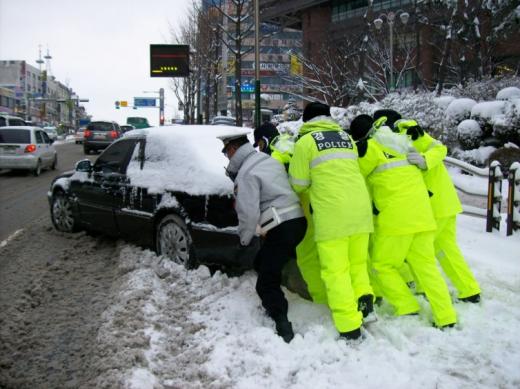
(398,192)
(445,200)
(282,148)
(324,165)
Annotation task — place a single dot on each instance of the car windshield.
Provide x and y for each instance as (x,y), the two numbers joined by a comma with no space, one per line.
(15,136)
(100,126)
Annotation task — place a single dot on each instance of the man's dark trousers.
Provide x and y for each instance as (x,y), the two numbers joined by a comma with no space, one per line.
(279,246)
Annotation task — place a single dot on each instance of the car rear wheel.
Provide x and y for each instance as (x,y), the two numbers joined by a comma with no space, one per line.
(54,163)
(173,240)
(61,213)
(86,150)
(37,171)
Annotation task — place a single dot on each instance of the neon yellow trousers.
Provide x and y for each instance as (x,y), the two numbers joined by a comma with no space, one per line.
(451,260)
(388,255)
(336,274)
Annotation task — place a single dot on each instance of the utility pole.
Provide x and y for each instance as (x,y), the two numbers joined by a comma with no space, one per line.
(257,65)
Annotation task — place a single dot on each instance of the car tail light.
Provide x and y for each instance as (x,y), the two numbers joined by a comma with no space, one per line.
(87,133)
(113,134)
(30,149)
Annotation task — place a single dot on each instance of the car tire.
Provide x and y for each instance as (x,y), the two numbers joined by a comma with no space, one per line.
(61,213)
(37,171)
(86,150)
(173,240)
(54,163)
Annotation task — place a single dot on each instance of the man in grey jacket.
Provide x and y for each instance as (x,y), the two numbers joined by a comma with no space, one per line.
(264,201)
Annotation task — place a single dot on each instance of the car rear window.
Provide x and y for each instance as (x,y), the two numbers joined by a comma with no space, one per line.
(100,126)
(15,136)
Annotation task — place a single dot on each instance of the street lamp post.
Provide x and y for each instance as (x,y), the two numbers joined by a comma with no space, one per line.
(390,19)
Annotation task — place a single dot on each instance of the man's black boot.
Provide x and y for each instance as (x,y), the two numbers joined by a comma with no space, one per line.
(471,299)
(351,335)
(284,328)
(366,304)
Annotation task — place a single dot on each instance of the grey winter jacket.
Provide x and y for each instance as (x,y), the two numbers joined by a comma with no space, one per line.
(261,182)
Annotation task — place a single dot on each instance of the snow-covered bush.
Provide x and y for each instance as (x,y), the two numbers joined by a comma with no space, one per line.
(419,106)
(506,127)
(469,134)
(478,157)
(509,93)
(292,127)
(344,116)
(443,101)
(486,113)
(485,89)
(459,109)
(506,156)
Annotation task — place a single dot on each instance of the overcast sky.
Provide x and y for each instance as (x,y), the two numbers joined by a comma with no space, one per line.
(100,47)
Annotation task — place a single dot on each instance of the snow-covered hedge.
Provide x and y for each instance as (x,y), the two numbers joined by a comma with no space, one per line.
(469,134)
(472,120)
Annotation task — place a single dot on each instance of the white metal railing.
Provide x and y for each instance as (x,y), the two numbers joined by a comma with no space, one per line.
(493,194)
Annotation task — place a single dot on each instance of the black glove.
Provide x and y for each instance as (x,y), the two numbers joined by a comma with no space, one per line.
(246,255)
(415,132)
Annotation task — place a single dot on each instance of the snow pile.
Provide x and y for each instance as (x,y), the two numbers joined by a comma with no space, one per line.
(184,158)
(168,327)
(509,93)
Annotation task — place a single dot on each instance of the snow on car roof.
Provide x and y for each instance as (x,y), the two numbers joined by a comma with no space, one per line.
(184,158)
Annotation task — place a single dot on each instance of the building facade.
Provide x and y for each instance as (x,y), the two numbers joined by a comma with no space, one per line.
(27,92)
(483,41)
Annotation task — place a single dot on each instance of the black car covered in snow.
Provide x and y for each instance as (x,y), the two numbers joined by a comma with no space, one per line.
(162,188)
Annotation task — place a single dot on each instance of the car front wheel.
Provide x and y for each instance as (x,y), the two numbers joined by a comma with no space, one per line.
(173,240)
(61,213)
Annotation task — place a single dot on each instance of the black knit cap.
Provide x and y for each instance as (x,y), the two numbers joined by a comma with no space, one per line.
(315,109)
(360,126)
(267,130)
(391,116)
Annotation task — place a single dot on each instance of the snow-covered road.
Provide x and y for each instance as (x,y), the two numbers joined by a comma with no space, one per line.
(109,314)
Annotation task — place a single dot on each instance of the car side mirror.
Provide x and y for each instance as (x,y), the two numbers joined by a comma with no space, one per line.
(84,166)
(51,141)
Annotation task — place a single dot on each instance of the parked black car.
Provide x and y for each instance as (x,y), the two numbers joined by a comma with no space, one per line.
(99,135)
(162,188)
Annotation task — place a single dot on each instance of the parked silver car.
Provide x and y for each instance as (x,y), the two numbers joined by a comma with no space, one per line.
(26,148)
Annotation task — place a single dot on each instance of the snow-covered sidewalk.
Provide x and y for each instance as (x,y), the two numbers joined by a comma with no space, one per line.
(174,328)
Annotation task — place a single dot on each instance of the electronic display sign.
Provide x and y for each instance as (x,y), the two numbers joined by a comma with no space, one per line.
(169,60)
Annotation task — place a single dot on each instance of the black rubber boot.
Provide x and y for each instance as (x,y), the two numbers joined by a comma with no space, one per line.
(471,299)
(366,304)
(351,335)
(284,329)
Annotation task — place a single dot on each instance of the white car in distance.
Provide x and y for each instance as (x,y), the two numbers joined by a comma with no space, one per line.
(26,148)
